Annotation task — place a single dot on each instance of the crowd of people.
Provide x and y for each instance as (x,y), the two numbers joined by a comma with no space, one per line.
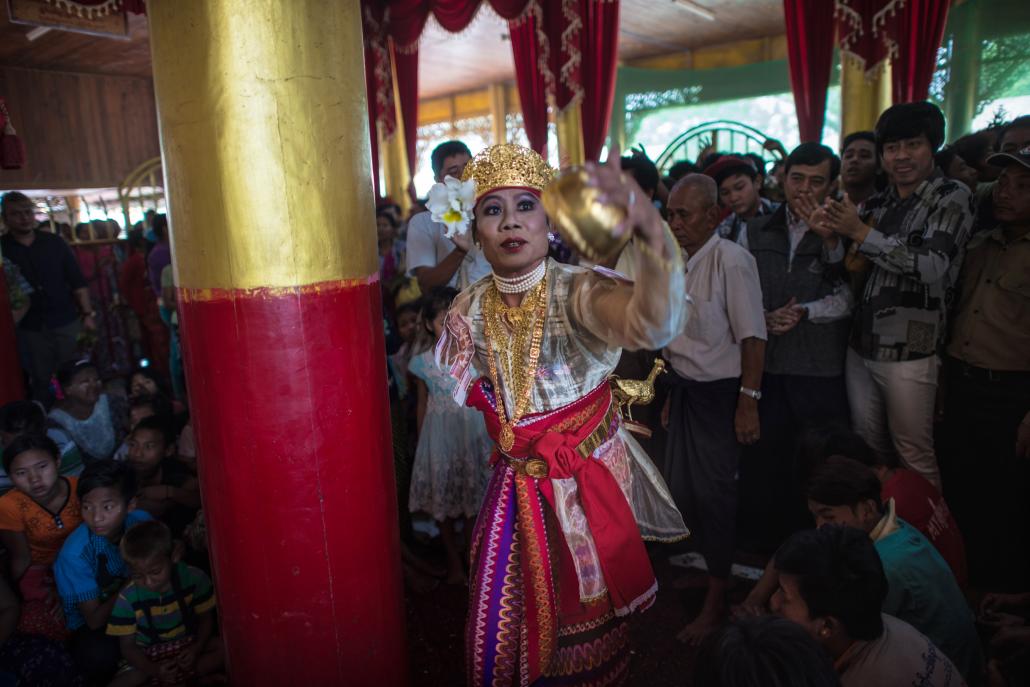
(849,397)
(106,572)
(856,360)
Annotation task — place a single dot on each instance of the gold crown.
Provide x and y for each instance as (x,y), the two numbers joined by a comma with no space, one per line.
(505,166)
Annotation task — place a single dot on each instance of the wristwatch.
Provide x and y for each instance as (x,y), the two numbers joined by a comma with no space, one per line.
(753,393)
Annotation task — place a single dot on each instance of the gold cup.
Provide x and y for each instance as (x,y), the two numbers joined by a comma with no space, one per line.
(583,221)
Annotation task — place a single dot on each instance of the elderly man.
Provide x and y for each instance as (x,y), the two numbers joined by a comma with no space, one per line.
(716,373)
(987,373)
(60,305)
(807,312)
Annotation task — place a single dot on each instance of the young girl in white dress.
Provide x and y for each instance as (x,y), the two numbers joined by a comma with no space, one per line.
(452,467)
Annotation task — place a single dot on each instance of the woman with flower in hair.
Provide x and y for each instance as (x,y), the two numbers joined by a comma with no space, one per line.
(557,556)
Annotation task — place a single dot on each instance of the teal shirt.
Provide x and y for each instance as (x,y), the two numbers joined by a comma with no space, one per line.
(923,592)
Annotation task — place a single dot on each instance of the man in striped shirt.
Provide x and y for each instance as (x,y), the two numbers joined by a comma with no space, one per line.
(907,246)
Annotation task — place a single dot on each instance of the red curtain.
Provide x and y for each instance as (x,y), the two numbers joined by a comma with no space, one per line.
(531,70)
(382,114)
(810,25)
(406,64)
(557,44)
(600,51)
(408,17)
(855,27)
(914,36)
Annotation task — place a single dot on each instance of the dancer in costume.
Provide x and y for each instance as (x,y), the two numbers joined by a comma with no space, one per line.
(557,558)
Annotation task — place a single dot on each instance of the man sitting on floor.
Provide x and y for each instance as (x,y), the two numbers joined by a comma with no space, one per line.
(921,588)
(831,582)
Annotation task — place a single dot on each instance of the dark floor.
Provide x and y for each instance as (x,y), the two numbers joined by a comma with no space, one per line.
(436,622)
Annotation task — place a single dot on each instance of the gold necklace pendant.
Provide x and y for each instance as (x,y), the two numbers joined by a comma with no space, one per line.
(530,317)
(507,437)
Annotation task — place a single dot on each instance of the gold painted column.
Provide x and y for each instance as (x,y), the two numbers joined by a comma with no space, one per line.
(570,136)
(862,100)
(497,93)
(264,134)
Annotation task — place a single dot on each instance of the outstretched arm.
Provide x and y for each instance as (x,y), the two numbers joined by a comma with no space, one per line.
(653,310)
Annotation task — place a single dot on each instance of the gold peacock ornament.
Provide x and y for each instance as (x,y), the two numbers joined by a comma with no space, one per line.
(631,392)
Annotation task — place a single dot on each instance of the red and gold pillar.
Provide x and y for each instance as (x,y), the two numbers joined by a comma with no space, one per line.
(264,132)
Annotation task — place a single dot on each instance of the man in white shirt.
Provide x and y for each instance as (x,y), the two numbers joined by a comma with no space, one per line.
(807,302)
(434,259)
(716,374)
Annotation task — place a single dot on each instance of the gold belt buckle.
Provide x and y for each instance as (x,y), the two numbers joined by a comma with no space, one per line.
(536,468)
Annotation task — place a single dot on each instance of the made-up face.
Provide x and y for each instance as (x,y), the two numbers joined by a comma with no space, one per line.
(740,194)
(909,161)
(35,472)
(858,163)
(511,226)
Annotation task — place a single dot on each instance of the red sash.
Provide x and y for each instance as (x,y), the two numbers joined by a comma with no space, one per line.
(554,437)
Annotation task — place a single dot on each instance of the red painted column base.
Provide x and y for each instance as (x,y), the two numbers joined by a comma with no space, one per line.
(289,400)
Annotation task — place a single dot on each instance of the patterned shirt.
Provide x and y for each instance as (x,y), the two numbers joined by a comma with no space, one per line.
(916,247)
(156,618)
(732,226)
(44,530)
(90,567)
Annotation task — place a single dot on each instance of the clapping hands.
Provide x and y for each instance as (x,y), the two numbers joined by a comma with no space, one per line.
(785,318)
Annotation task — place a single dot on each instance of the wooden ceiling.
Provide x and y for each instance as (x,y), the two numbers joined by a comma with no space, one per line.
(76,52)
(450,63)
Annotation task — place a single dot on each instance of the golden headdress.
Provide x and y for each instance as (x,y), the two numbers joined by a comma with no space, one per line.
(508,166)
(452,201)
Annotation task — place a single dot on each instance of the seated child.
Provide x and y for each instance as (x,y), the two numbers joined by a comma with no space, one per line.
(921,589)
(19,417)
(147,406)
(86,424)
(916,501)
(28,659)
(167,489)
(141,407)
(35,519)
(90,570)
(163,618)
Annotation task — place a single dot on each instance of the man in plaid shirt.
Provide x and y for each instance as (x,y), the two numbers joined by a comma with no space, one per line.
(908,243)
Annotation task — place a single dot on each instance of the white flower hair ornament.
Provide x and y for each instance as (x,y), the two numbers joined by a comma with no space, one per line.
(451,203)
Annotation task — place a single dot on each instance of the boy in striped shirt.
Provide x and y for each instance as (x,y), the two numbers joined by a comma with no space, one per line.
(163,617)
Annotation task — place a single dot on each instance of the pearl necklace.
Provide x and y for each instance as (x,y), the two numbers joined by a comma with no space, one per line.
(523,283)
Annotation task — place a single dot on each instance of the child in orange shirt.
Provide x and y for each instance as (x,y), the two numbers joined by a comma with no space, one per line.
(35,519)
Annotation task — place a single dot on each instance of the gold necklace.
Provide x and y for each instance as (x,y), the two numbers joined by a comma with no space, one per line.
(529,316)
